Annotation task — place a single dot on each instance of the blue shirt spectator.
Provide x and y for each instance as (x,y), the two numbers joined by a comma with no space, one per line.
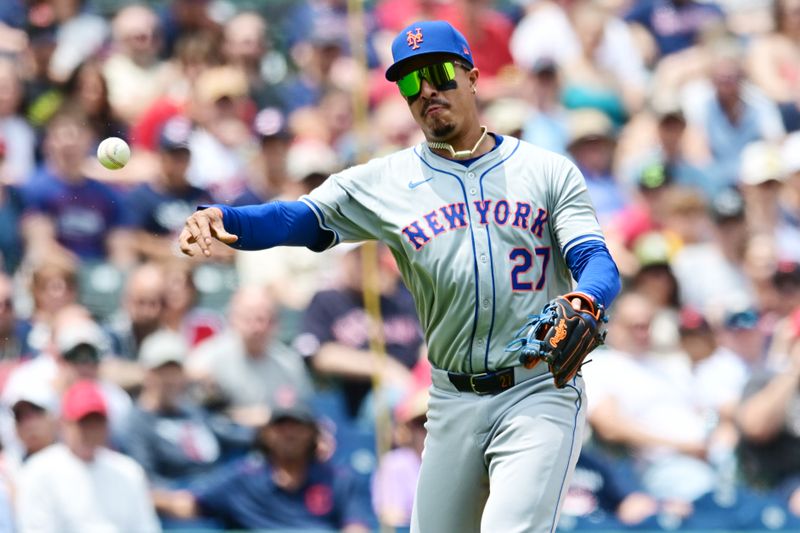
(85,214)
(674,24)
(83,211)
(247,496)
(731,115)
(163,212)
(284,486)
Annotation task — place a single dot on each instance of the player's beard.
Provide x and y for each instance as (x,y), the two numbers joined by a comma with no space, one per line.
(443,131)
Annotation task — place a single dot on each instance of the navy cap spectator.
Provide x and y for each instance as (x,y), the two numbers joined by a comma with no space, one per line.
(271,125)
(285,486)
(175,135)
(161,206)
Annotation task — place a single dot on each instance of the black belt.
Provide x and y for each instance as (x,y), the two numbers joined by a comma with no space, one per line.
(486,383)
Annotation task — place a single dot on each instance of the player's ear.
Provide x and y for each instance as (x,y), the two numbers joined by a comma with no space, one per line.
(473,76)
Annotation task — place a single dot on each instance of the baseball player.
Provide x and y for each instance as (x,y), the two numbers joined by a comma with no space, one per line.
(486,229)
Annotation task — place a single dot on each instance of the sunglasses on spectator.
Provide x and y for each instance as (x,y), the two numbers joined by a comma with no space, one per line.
(441,75)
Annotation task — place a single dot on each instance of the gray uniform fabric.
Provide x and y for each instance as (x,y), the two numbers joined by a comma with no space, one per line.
(480,248)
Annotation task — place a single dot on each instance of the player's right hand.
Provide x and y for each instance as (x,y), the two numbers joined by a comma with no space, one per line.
(201,229)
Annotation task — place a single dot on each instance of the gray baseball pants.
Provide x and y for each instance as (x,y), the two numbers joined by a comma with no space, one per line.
(498,463)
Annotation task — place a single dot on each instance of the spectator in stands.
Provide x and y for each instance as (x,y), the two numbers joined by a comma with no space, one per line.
(11,209)
(742,332)
(271,126)
(181,312)
(142,310)
(184,17)
(223,145)
(81,348)
(319,59)
(732,115)
(14,130)
(655,416)
(135,75)
(605,494)
(285,486)
(671,148)
(246,46)
(81,485)
(656,281)
(760,180)
(53,287)
(675,25)
(245,364)
(336,332)
(13,330)
(769,420)
(718,377)
(549,30)
(41,98)
(169,435)
(87,90)
(711,271)
(159,206)
(293,275)
(79,34)
(395,480)
(34,406)
(588,85)
(547,126)
(774,61)
(591,146)
(85,216)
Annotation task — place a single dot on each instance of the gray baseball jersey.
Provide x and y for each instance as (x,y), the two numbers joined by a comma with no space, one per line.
(480,247)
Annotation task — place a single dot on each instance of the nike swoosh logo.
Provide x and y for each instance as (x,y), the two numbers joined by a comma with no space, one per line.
(414,185)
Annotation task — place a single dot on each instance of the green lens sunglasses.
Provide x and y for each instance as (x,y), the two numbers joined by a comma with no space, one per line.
(442,76)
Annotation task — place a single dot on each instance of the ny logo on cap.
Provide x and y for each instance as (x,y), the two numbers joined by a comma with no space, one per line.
(413,39)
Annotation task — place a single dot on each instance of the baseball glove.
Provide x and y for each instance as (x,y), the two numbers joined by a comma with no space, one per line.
(561,336)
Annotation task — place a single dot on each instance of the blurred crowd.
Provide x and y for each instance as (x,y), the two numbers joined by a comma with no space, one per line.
(142,390)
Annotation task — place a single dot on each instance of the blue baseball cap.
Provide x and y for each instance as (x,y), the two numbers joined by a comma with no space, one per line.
(427,37)
(175,134)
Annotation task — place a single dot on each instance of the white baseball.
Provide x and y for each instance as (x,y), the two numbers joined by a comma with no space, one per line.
(113,153)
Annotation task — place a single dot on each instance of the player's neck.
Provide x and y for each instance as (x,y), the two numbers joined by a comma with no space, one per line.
(469,146)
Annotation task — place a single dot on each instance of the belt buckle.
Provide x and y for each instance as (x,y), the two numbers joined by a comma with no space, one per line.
(472,382)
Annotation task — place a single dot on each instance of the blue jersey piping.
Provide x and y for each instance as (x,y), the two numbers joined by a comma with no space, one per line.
(474,255)
(491,260)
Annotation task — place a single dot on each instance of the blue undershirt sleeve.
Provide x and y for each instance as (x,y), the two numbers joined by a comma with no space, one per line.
(274,224)
(595,270)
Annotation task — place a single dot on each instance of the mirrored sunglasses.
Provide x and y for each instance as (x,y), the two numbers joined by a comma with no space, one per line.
(441,75)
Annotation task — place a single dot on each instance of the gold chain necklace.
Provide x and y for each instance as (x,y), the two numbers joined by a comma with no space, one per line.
(461,154)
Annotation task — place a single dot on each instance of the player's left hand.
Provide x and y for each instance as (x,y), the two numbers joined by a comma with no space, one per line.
(563,334)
